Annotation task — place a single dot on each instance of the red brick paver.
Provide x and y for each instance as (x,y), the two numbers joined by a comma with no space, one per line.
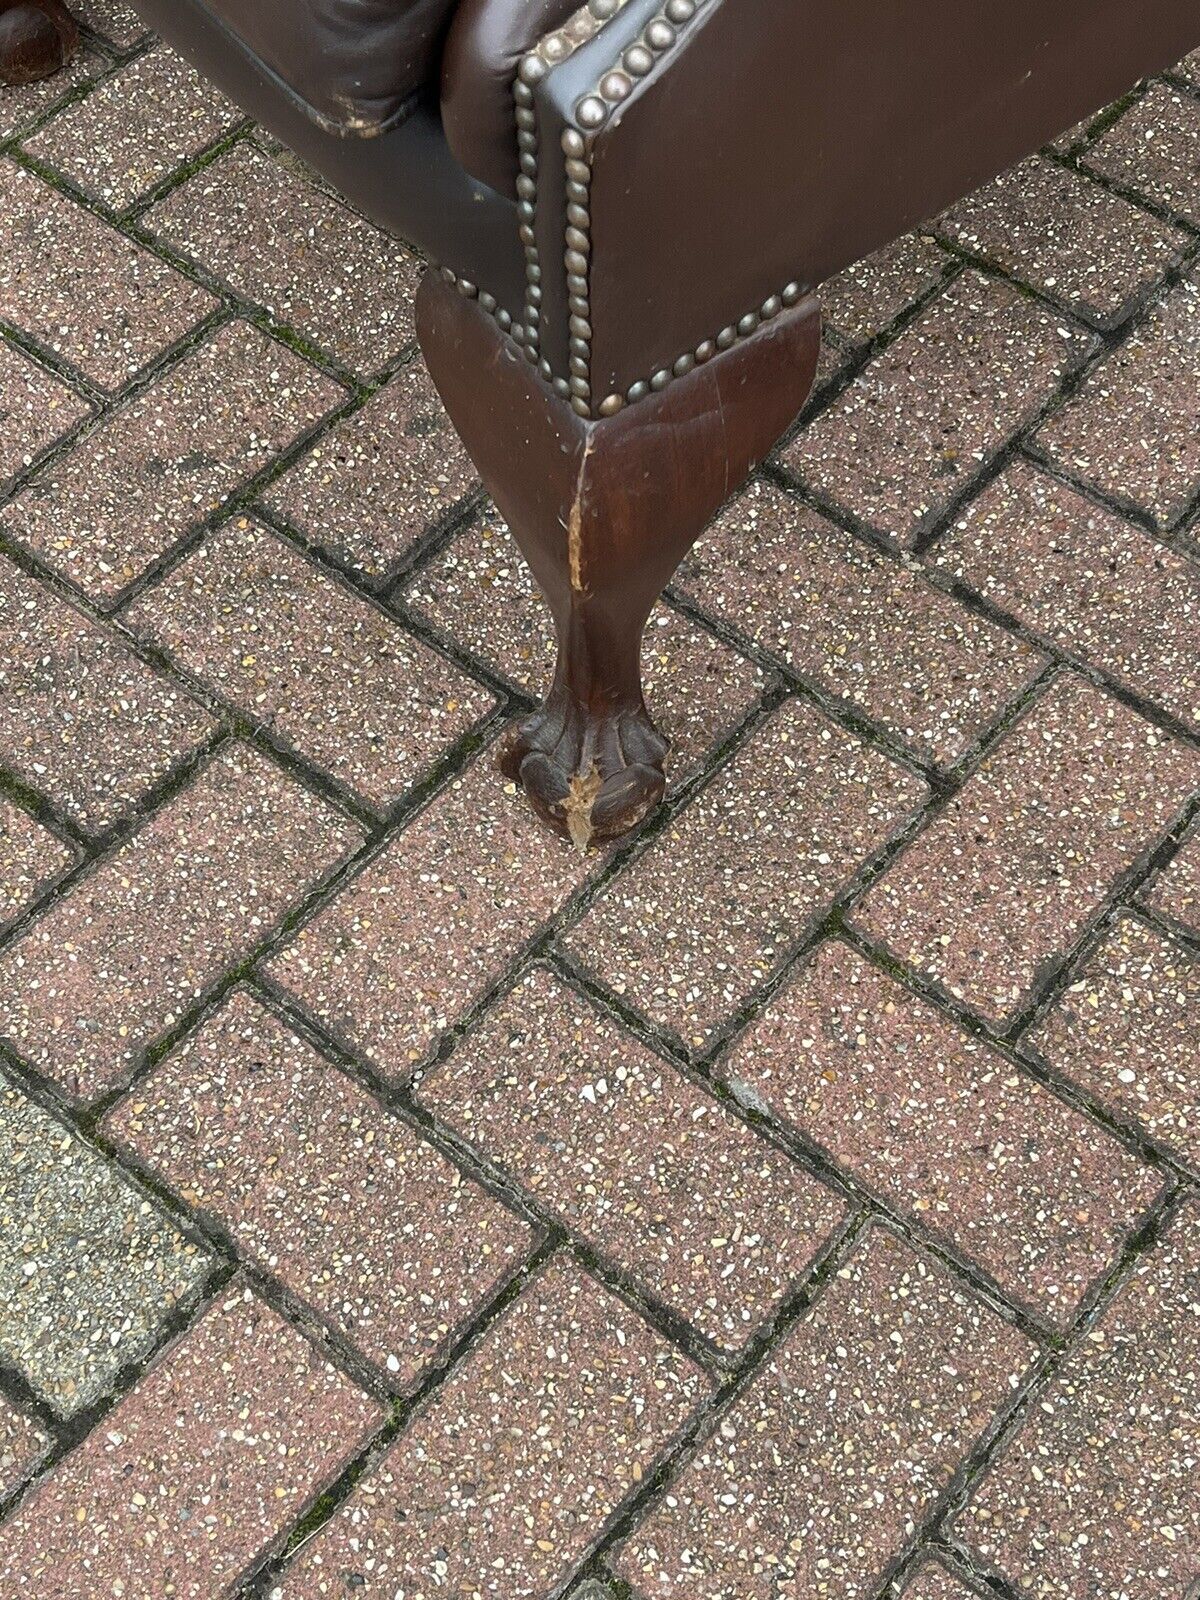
(277,239)
(1127,1030)
(1003,882)
(916,426)
(84,720)
(1087,580)
(933,1581)
(1177,890)
(22,1444)
(36,409)
(30,857)
(213,1454)
(519,1462)
(375,481)
(1098,1494)
(82,290)
(629,1153)
(103,973)
(945,1129)
(169,459)
(860,303)
(323,671)
(818,1473)
(339,1199)
(1152,150)
(867,630)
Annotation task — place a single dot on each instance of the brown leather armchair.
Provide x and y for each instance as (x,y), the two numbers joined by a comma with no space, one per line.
(631,203)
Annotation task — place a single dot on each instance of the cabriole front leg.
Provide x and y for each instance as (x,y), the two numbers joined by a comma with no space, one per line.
(604,510)
(37,37)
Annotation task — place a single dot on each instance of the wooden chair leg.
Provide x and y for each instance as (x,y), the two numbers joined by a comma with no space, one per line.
(37,37)
(604,510)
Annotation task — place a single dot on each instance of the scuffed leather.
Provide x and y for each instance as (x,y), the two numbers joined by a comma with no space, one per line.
(487,39)
(355,65)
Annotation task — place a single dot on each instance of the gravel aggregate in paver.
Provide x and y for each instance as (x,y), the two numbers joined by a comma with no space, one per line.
(1133,430)
(1177,889)
(1069,237)
(89,1265)
(434,919)
(118,23)
(81,718)
(480,592)
(135,128)
(727,890)
(1086,579)
(867,630)
(501,1485)
(169,459)
(212,1455)
(36,410)
(946,1130)
(372,484)
(281,241)
(1152,149)
(30,858)
(1127,1029)
(84,291)
(24,104)
(817,1475)
(322,1187)
(1099,1492)
(632,1156)
(102,974)
(22,1445)
(1004,881)
(920,420)
(866,298)
(321,670)
(933,1581)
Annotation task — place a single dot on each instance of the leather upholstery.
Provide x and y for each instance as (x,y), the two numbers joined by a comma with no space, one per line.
(354,65)
(487,39)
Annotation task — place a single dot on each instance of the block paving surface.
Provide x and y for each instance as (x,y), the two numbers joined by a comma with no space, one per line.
(797,1200)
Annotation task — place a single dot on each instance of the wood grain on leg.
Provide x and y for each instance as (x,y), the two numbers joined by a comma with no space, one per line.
(37,37)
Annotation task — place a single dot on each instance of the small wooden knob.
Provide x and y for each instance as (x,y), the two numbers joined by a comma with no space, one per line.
(37,37)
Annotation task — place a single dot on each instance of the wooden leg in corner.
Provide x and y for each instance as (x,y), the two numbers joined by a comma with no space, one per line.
(37,37)
(604,511)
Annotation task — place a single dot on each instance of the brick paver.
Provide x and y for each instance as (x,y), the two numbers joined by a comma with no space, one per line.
(915,427)
(431,922)
(630,1154)
(1152,150)
(945,1130)
(89,1265)
(376,480)
(1134,428)
(1127,1030)
(868,631)
(84,720)
(82,290)
(480,592)
(1003,882)
(1086,579)
(277,239)
(1098,1493)
(1177,890)
(169,460)
(546,1427)
(243,573)
(210,1457)
(107,970)
(30,858)
(339,1199)
(1076,242)
(22,1445)
(324,672)
(134,129)
(819,1472)
(725,893)
(37,409)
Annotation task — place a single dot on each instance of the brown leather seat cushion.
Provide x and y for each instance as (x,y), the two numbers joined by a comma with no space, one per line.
(354,65)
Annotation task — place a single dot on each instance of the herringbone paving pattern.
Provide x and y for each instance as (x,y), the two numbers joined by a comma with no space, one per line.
(795,1202)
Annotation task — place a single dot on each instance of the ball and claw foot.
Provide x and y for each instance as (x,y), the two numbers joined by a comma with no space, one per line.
(590,780)
(37,37)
